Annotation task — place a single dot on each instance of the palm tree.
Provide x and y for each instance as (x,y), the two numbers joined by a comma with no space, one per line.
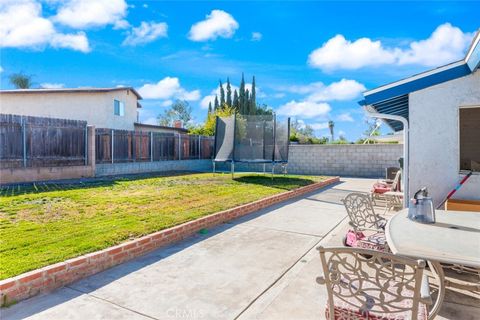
(21,80)
(331,124)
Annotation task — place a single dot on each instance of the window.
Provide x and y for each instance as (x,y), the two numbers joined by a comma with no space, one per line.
(470,139)
(118,108)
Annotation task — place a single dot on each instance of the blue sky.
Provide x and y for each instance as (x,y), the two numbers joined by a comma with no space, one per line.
(311,59)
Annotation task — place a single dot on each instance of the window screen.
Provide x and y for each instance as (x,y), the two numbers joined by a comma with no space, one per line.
(118,108)
(470,139)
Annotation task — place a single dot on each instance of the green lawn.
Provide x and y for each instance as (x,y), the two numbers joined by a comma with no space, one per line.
(48,223)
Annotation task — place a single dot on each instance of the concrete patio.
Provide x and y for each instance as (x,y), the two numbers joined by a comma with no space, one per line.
(262,266)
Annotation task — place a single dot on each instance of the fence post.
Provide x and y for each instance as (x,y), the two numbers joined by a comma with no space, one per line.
(24,142)
(113,132)
(92,158)
(151,146)
(86,145)
(134,146)
(199,146)
(179,146)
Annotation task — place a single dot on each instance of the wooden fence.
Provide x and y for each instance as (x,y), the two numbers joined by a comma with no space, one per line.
(47,142)
(41,142)
(130,146)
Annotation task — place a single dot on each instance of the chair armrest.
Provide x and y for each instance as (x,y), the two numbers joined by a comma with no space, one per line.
(425,296)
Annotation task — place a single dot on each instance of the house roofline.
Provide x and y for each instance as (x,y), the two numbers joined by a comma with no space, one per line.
(68,90)
(160,127)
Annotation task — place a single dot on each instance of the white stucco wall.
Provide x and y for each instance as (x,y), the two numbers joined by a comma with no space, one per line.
(94,107)
(434,137)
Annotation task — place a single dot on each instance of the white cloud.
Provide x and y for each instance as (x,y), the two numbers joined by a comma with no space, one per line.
(256,36)
(121,24)
(217,24)
(339,53)
(345,117)
(317,91)
(304,109)
(341,90)
(47,85)
(319,125)
(151,120)
(166,89)
(1,69)
(166,103)
(22,26)
(446,44)
(77,41)
(146,32)
(91,13)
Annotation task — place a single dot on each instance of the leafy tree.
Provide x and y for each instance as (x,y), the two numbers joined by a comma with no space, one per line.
(215,103)
(229,93)
(208,127)
(331,125)
(373,130)
(222,94)
(304,134)
(180,110)
(20,80)
(263,110)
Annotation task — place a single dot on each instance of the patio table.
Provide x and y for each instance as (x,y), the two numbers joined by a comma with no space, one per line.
(453,239)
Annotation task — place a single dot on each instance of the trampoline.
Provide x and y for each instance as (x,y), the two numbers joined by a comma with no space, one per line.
(256,139)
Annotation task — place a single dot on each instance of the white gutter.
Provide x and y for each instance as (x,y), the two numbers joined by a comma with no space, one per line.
(405,147)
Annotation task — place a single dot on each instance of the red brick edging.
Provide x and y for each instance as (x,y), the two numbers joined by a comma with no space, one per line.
(60,274)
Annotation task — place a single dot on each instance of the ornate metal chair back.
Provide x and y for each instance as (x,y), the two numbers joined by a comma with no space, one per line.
(371,282)
(361,213)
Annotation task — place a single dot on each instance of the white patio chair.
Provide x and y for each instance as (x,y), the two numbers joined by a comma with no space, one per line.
(368,227)
(383,186)
(366,284)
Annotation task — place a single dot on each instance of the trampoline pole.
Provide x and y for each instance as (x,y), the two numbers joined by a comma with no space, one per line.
(273,169)
(232,167)
(213,162)
(264,169)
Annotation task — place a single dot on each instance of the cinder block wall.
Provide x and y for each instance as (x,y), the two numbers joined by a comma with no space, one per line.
(343,160)
(156,166)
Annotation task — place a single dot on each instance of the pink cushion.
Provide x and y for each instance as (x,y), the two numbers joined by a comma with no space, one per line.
(376,241)
(381,188)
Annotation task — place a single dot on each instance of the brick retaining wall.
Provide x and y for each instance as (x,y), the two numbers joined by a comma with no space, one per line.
(58,275)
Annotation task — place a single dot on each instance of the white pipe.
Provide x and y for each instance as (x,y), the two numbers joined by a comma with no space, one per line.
(405,147)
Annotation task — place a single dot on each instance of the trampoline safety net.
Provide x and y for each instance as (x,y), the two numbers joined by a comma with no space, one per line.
(254,139)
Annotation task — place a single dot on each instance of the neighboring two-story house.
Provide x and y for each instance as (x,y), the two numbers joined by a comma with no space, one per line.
(114,108)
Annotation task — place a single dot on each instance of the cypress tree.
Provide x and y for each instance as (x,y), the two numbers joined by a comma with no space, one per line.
(241,96)
(216,103)
(247,103)
(236,104)
(222,94)
(229,93)
(253,98)
(210,107)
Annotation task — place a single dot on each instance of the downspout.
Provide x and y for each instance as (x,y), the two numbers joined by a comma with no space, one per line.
(406,161)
